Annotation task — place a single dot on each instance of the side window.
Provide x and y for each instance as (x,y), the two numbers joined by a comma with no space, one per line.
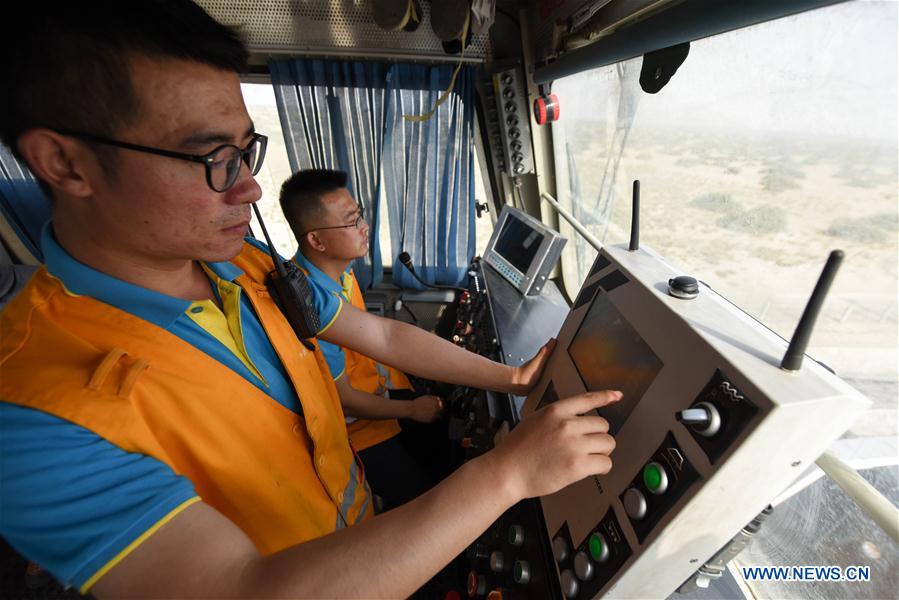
(771,146)
(260,101)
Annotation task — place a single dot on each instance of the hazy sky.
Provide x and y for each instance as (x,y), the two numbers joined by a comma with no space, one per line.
(831,70)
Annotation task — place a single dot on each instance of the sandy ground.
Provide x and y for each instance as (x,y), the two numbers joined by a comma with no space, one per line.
(756,219)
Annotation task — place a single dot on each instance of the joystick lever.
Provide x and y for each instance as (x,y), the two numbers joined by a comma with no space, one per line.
(694,416)
(702,417)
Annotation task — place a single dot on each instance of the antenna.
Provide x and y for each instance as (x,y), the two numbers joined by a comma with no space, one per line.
(635,219)
(793,358)
(282,272)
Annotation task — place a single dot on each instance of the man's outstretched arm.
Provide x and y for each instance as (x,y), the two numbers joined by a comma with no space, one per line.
(357,403)
(200,553)
(421,353)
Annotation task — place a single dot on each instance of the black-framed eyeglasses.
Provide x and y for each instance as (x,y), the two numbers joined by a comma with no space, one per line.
(360,219)
(222,164)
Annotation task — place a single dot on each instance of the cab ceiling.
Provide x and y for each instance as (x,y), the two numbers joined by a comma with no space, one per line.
(338,28)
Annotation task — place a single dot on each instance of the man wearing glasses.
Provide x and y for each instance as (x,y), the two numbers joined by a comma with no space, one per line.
(163,433)
(331,232)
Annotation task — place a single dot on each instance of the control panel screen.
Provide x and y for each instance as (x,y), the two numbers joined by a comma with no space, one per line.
(609,354)
(518,243)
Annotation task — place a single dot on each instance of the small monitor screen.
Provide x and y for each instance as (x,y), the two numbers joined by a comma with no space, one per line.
(609,354)
(518,243)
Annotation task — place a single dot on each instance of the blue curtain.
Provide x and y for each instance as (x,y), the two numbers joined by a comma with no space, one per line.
(429,173)
(348,116)
(23,205)
(332,116)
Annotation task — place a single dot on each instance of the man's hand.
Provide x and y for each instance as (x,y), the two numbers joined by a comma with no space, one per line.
(426,409)
(526,376)
(556,446)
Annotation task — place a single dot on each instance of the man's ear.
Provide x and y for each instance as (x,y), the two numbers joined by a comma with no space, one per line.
(314,241)
(58,160)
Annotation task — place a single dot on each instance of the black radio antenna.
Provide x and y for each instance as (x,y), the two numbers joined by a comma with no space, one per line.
(799,342)
(279,266)
(635,218)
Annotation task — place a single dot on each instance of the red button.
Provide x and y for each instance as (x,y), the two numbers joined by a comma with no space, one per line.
(477,585)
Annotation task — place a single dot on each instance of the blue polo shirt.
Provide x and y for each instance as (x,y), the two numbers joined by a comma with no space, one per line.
(72,501)
(329,297)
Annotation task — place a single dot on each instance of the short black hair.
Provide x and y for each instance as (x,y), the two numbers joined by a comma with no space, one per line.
(66,65)
(301,196)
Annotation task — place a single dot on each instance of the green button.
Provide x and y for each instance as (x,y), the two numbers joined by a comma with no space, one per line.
(196,309)
(653,477)
(597,548)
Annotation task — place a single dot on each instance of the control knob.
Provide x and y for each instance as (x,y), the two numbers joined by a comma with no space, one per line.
(702,417)
(477,552)
(521,572)
(583,566)
(477,584)
(599,548)
(635,504)
(655,478)
(560,549)
(496,562)
(569,584)
(516,535)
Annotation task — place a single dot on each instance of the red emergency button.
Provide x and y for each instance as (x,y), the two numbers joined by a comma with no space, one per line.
(477,584)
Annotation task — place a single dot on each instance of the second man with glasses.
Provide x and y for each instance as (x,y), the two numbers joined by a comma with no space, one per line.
(331,231)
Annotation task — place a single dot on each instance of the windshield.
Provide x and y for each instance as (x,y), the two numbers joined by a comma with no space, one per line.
(770,147)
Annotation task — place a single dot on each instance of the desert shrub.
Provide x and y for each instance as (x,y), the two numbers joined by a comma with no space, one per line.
(780,177)
(717,202)
(758,220)
(869,229)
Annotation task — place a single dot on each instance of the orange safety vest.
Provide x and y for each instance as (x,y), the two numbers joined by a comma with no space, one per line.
(281,477)
(367,375)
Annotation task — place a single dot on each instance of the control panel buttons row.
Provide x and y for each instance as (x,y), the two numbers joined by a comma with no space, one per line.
(657,486)
(508,272)
(584,569)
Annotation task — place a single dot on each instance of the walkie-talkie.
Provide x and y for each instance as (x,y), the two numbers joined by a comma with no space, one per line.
(289,287)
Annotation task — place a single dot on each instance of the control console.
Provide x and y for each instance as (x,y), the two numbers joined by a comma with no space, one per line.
(710,427)
(474,415)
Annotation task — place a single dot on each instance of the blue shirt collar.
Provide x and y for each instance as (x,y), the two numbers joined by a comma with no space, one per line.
(80,279)
(317,274)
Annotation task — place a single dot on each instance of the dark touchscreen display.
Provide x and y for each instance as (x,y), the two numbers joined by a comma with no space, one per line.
(610,355)
(518,243)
